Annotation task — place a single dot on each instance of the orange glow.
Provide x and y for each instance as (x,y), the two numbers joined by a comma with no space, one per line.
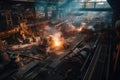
(56,42)
(79,29)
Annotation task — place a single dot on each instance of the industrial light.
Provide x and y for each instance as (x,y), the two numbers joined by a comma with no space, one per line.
(100,3)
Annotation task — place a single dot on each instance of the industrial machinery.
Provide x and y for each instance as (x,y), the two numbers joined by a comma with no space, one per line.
(52,40)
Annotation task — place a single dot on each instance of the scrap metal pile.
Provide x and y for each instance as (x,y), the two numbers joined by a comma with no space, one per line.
(54,52)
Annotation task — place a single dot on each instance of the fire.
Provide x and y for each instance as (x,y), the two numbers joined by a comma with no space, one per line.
(56,42)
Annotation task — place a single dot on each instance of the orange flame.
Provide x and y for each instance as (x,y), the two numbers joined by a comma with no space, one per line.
(57,42)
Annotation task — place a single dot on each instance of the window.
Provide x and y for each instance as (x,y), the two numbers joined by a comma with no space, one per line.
(97,0)
(90,0)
